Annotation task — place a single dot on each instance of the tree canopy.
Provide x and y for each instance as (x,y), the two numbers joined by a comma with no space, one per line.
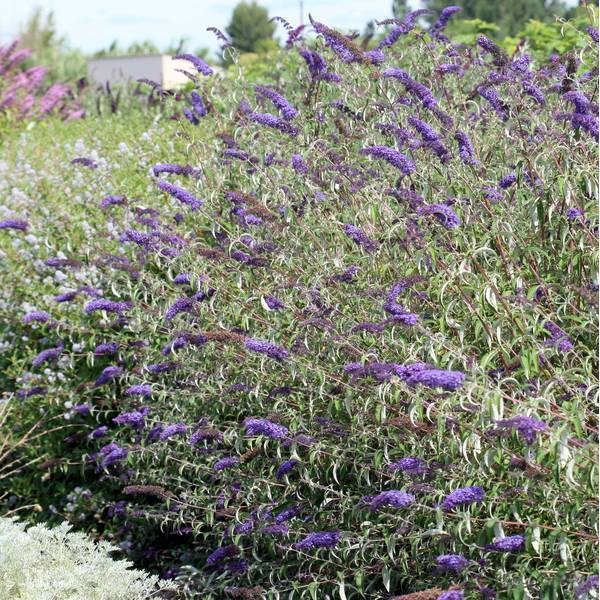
(509,15)
(250,26)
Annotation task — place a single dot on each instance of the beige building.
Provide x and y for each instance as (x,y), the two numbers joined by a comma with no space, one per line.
(160,68)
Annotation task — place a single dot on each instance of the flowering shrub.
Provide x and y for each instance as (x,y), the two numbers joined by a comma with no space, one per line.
(22,92)
(57,563)
(332,334)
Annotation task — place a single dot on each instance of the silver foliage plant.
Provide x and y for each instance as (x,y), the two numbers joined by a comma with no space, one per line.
(41,563)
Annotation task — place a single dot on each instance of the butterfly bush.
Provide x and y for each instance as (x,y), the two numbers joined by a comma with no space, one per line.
(343,318)
(24,92)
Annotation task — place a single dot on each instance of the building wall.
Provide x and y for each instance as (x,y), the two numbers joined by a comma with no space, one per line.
(120,69)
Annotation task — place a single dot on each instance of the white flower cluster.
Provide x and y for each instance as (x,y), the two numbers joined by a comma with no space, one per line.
(39,563)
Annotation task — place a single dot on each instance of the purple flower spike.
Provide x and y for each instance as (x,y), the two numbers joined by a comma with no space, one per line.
(200,65)
(171,430)
(527,427)
(360,237)
(106,349)
(391,498)
(512,543)
(180,305)
(591,583)
(444,214)
(395,158)
(274,122)
(37,316)
(262,347)
(107,375)
(139,390)
(266,428)
(14,224)
(451,595)
(107,305)
(135,419)
(283,105)
(222,553)
(46,355)
(180,194)
(452,562)
(507,181)
(226,463)
(320,539)
(462,497)
(285,468)
(98,432)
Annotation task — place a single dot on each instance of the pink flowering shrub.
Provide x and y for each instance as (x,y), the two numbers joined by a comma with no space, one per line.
(23,93)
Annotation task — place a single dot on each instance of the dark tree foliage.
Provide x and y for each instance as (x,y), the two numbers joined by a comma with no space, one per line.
(249,26)
(399,8)
(509,15)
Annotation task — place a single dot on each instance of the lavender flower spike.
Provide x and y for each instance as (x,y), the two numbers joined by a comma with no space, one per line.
(262,347)
(179,193)
(320,539)
(444,214)
(37,316)
(200,65)
(266,428)
(287,110)
(107,375)
(226,463)
(46,355)
(360,237)
(512,543)
(274,122)
(461,497)
(107,305)
(393,498)
(452,562)
(14,224)
(395,158)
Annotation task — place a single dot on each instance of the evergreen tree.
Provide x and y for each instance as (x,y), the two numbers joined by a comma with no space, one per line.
(250,26)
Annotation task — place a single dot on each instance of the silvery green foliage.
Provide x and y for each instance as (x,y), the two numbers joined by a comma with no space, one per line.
(39,563)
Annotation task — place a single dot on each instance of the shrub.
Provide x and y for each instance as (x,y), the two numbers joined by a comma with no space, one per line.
(38,562)
(330,336)
(23,93)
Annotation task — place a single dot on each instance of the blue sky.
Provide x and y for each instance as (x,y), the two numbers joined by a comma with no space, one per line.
(94,24)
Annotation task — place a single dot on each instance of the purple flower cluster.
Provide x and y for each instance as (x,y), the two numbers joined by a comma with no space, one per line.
(444,214)
(274,122)
(107,306)
(226,463)
(36,316)
(170,430)
(421,92)
(320,539)
(200,65)
(266,428)
(360,237)
(511,543)
(262,347)
(395,158)
(179,193)
(559,338)
(285,468)
(527,427)
(452,562)
(108,374)
(462,497)
(391,498)
(288,111)
(46,355)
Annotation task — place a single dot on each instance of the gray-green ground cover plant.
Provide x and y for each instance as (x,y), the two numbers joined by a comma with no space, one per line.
(330,336)
(38,562)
